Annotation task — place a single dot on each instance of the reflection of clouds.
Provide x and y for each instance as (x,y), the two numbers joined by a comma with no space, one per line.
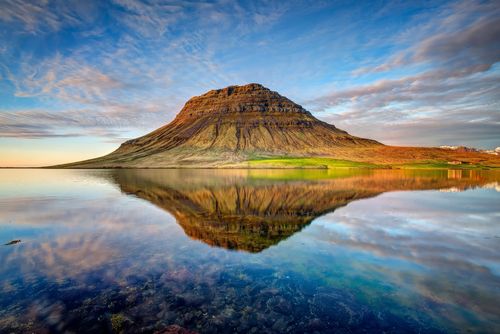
(66,256)
(447,255)
(65,238)
(493,185)
(428,248)
(450,190)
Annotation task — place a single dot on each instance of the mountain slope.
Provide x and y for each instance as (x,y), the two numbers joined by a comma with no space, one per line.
(230,125)
(236,125)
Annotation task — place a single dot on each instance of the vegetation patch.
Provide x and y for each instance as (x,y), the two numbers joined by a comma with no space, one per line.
(330,163)
(302,162)
(118,322)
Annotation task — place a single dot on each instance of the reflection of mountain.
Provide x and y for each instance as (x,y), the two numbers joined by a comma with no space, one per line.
(252,210)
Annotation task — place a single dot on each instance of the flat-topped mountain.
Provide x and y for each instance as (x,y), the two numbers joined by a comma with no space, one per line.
(232,126)
(244,119)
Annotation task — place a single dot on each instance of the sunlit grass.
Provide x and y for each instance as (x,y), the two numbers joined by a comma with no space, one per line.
(300,162)
(330,163)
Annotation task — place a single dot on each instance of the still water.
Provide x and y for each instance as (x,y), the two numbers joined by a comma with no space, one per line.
(252,251)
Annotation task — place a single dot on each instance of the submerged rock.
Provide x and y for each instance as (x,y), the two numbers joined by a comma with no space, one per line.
(175,329)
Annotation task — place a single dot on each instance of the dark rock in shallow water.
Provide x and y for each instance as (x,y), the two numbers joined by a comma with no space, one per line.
(175,329)
(191,299)
(279,305)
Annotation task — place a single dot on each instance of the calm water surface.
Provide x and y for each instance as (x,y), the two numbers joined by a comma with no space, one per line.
(249,251)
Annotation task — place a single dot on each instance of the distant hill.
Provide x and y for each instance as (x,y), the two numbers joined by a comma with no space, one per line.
(245,126)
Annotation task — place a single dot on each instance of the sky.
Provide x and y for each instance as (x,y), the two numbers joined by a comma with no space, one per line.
(77,78)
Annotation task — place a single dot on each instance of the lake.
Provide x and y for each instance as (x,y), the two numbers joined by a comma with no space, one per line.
(250,251)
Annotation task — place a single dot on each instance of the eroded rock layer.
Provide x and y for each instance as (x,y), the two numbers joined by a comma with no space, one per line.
(232,124)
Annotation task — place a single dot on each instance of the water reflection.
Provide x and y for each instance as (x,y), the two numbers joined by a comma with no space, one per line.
(318,251)
(252,210)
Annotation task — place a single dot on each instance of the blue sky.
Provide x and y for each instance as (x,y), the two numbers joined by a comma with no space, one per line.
(79,77)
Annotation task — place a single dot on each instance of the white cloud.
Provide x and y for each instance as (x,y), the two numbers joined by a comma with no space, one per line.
(450,101)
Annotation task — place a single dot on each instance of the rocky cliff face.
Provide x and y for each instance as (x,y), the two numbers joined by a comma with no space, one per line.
(231,124)
(244,100)
(245,119)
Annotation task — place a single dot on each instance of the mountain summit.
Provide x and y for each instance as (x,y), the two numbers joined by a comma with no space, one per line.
(239,125)
(244,119)
(229,125)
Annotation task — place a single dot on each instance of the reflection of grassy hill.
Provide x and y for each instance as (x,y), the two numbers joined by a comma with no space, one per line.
(302,162)
(254,209)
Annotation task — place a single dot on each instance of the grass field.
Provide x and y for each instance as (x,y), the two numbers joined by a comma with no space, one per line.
(299,162)
(330,163)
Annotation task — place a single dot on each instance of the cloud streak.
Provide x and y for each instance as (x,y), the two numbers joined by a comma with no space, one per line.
(134,77)
(45,16)
(124,67)
(452,95)
(476,45)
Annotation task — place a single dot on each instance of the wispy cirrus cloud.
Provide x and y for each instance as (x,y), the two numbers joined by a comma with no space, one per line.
(112,69)
(428,87)
(113,122)
(476,44)
(45,16)
(65,79)
(451,94)
(84,102)
(148,18)
(132,72)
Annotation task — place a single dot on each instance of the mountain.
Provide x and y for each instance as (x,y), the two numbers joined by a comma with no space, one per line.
(236,125)
(232,124)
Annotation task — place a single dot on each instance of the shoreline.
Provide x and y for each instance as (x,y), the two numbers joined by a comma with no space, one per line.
(406,167)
